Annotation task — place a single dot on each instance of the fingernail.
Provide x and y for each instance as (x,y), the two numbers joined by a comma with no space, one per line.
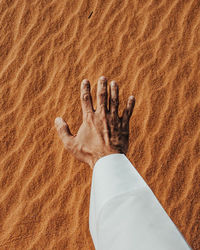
(58,120)
(103,78)
(85,81)
(113,84)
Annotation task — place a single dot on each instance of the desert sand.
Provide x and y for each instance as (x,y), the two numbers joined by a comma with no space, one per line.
(152,50)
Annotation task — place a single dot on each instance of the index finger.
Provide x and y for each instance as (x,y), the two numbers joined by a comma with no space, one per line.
(86,98)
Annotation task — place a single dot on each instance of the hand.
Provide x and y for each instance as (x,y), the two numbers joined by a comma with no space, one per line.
(102,132)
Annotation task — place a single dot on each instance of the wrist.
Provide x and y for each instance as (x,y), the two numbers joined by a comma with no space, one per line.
(95,159)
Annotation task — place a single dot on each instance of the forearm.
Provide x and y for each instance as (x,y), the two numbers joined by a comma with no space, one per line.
(124,210)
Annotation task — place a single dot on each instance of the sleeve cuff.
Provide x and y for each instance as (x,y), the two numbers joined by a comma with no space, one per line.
(112,175)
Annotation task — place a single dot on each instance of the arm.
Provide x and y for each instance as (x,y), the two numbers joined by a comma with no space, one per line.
(123,208)
(124,212)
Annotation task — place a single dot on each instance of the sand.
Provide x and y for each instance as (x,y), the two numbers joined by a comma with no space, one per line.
(152,50)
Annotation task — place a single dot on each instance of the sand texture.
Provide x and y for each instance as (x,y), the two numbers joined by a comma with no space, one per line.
(152,49)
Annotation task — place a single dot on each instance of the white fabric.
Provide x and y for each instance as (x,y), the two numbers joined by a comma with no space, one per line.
(124,212)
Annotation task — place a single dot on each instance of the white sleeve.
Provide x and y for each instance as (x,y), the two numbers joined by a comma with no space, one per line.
(124,212)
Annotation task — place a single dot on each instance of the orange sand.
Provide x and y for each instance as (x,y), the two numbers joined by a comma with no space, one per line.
(152,49)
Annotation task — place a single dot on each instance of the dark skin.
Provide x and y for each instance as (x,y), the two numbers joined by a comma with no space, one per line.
(102,131)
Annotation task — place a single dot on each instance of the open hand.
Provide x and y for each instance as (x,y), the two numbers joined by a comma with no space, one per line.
(102,132)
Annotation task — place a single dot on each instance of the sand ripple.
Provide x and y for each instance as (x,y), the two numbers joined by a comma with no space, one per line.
(151,48)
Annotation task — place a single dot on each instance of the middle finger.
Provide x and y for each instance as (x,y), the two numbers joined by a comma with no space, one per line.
(114,99)
(102,95)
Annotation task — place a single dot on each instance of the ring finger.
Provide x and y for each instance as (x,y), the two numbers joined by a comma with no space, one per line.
(114,99)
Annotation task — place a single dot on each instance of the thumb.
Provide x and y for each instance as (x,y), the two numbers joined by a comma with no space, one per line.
(63,131)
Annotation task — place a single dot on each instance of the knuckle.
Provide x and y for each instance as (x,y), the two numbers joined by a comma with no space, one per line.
(114,101)
(68,146)
(102,115)
(65,142)
(115,124)
(86,96)
(125,132)
(102,82)
(129,112)
(61,130)
(102,109)
(112,121)
(113,112)
(126,113)
(88,116)
(102,95)
(125,124)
